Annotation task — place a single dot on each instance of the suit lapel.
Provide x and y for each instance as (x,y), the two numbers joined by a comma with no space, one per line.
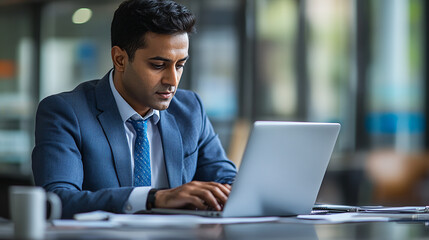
(173,149)
(112,125)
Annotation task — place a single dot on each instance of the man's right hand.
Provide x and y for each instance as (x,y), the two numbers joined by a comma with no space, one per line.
(194,195)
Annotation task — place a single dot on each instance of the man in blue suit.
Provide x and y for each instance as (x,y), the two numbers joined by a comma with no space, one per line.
(89,149)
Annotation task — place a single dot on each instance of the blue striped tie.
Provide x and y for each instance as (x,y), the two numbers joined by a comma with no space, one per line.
(142,174)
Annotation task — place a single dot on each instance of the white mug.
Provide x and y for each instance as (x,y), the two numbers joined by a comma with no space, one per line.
(28,210)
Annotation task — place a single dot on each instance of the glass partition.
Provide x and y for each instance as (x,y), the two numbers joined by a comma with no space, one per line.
(275,90)
(17,76)
(75,43)
(331,81)
(396,117)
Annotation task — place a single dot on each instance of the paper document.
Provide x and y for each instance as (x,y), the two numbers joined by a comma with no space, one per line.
(344,218)
(83,224)
(180,220)
(370,209)
(406,209)
(162,220)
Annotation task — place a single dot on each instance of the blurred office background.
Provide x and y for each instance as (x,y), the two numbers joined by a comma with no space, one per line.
(358,62)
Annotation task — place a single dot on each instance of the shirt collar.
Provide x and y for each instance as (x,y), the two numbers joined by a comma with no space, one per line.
(125,110)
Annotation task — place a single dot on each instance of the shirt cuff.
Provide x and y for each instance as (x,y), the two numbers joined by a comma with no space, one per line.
(137,200)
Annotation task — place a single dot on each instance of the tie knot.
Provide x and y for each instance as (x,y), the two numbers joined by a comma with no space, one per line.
(139,125)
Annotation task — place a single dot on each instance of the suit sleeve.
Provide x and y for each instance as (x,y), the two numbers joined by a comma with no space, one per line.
(213,164)
(57,164)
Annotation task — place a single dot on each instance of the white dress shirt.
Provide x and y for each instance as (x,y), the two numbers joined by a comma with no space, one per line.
(138,197)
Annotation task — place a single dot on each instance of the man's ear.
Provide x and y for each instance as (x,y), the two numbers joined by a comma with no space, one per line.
(119,58)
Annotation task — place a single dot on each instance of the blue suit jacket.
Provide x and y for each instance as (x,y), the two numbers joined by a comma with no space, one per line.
(82,154)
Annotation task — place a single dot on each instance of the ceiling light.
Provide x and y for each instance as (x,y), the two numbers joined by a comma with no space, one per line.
(81,16)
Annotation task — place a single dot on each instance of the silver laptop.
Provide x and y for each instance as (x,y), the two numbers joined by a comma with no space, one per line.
(281,171)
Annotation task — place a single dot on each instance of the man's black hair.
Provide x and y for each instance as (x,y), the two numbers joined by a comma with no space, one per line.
(134,18)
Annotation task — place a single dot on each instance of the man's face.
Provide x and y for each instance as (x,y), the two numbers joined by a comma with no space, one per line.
(151,79)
